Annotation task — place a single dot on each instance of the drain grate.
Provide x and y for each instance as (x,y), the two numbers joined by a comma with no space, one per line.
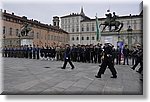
(46,67)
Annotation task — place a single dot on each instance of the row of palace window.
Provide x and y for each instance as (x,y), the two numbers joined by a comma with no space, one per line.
(83,38)
(92,27)
(70,20)
(76,29)
(35,35)
(10,31)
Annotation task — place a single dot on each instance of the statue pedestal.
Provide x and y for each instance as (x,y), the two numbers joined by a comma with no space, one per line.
(26,42)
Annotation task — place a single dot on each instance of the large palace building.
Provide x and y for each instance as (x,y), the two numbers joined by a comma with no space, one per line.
(82,29)
(40,34)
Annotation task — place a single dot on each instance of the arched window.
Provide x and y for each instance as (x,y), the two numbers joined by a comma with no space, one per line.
(73,38)
(93,38)
(82,38)
(87,38)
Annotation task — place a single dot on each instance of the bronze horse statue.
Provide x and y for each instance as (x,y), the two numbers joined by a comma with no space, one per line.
(111,21)
(25,29)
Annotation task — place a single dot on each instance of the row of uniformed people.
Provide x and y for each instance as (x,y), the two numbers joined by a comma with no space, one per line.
(28,52)
(21,51)
(87,53)
(79,53)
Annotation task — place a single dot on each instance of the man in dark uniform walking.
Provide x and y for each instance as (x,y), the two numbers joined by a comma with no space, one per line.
(30,52)
(107,61)
(67,57)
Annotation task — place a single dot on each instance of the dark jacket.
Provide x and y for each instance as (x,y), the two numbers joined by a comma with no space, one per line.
(67,53)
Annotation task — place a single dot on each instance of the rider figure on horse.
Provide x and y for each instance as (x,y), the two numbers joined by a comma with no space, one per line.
(111,21)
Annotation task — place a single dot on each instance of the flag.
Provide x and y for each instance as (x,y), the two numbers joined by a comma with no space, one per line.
(97,29)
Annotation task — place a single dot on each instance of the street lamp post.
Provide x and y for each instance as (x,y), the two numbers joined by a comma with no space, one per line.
(4,40)
(129,30)
(19,39)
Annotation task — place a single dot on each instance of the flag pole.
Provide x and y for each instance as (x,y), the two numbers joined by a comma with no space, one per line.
(98,38)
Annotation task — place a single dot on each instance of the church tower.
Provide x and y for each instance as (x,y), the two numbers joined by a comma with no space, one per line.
(82,12)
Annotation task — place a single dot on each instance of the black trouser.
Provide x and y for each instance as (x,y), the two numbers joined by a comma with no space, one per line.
(30,55)
(118,59)
(141,67)
(133,59)
(99,58)
(5,54)
(136,63)
(37,55)
(107,62)
(95,58)
(126,59)
(65,63)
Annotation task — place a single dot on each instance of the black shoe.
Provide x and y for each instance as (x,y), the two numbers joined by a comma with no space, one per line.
(141,79)
(97,76)
(62,68)
(114,76)
(138,71)
(72,67)
(132,68)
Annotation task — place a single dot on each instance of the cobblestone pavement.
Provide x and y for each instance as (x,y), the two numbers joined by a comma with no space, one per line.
(30,76)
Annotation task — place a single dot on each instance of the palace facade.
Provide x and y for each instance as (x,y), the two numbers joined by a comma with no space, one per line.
(41,34)
(82,29)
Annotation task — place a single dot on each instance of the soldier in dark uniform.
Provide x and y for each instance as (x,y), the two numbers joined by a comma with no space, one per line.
(19,51)
(53,52)
(99,53)
(133,55)
(42,52)
(46,52)
(8,50)
(67,58)
(34,52)
(57,53)
(96,51)
(87,53)
(73,54)
(16,51)
(24,51)
(91,53)
(49,51)
(62,50)
(107,61)
(37,52)
(126,54)
(81,53)
(139,57)
(118,51)
(30,52)
(11,51)
(5,51)
(27,51)
(78,52)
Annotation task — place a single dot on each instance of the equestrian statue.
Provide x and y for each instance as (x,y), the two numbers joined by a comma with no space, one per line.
(25,29)
(110,22)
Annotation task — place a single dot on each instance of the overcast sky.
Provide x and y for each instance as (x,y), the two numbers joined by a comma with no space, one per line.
(43,10)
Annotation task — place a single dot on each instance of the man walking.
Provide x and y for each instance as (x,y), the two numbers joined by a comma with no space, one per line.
(107,61)
(67,57)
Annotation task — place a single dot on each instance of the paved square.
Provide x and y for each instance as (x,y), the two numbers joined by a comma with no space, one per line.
(30,76)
